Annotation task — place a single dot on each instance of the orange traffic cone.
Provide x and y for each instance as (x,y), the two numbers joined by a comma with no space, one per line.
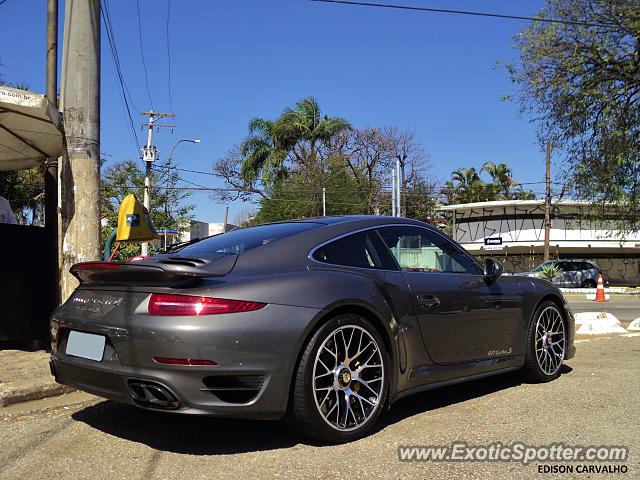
(600,290)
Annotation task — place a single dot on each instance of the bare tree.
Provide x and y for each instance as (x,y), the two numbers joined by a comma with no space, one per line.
(367,153)
(413,159)
(229,169)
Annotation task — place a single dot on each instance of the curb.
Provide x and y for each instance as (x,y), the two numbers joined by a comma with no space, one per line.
(608,290)
(12,393)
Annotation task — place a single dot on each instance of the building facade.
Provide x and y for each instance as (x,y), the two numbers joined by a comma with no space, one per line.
(198,229)
(513,231)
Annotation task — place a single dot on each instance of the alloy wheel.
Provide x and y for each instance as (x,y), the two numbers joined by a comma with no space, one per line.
(550,340)
(348,378)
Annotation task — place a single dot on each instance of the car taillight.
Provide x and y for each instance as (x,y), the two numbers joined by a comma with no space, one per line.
(97,265)
(166,304)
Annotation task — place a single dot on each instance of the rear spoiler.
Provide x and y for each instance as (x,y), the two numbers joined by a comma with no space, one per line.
(157,271)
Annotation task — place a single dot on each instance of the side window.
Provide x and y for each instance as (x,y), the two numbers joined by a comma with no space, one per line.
(356,250)
(565,266)
(420,250)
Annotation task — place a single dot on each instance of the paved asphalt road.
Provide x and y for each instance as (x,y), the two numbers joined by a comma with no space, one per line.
(625,307)
(595,401)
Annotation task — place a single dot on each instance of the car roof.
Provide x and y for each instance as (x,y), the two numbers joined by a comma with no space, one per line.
(361,220)
(292,251)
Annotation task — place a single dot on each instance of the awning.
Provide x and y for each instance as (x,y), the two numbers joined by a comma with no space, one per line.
(29,129)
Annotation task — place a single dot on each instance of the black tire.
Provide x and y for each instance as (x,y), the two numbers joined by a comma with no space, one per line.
(590,283)
(532,369)
(305,413)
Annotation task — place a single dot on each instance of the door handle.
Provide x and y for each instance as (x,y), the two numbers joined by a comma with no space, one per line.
(428,301)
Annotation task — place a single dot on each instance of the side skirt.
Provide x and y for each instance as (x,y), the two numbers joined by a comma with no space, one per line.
(452,381)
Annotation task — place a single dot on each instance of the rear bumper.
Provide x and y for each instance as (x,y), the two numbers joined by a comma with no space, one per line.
(251,379)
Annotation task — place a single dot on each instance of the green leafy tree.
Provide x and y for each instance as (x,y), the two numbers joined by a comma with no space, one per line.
(580,81)
(168,207)
(421,200)
(25,191)
(300,195)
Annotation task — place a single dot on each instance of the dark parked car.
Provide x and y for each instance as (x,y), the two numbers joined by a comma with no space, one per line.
(328,320)
(574,273)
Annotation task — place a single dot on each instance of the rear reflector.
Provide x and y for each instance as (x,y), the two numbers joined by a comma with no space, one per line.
(164,304)
(183,361)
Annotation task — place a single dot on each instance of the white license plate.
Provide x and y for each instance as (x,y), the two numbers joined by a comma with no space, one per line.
(85,345)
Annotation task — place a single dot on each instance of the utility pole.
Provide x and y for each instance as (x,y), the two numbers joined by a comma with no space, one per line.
(393,192)
(547,203)
(51,165)
(80,168)
(149,156)
(324,202)
(398,189)
(226,219)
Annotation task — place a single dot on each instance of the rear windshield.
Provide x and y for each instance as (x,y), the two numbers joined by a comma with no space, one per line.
(238,241)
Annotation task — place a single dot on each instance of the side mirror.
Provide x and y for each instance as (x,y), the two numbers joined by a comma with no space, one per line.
(492,269)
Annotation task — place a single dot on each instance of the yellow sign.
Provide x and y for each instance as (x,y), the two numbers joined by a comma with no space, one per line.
(134,223)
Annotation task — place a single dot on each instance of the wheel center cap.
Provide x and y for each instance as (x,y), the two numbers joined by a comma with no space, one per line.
(344,377)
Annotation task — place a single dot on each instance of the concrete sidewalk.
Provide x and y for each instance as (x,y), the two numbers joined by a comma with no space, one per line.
(25,376)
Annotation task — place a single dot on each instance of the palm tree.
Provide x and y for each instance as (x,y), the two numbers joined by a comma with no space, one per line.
(263,152)
(467,185)
(502,177)
(305,123)
(269,143)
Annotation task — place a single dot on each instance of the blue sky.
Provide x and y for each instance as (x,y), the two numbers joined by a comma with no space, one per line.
(235,59)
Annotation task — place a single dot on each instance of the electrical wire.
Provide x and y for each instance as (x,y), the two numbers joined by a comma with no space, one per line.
(124,91)
(144,64)
(466,12)
(200,172)
(384,189)
(198,187)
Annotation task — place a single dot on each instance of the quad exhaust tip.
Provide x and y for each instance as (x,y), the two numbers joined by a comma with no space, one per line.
(152,395)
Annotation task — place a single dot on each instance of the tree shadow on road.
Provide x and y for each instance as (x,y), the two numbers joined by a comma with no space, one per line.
(197,435)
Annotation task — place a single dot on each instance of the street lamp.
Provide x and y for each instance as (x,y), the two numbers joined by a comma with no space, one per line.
(195,140)
(169,158)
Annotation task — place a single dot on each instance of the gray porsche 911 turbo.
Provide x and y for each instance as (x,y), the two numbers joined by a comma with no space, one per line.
(327,321)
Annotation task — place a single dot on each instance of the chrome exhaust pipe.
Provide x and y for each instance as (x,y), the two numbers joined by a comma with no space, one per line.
(152,395)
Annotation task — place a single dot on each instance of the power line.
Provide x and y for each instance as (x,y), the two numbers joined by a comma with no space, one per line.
(200,172)
(106,18)
(144,64)
(466,12)
(115,45)
(199,187)
(169,55)
(384,188)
